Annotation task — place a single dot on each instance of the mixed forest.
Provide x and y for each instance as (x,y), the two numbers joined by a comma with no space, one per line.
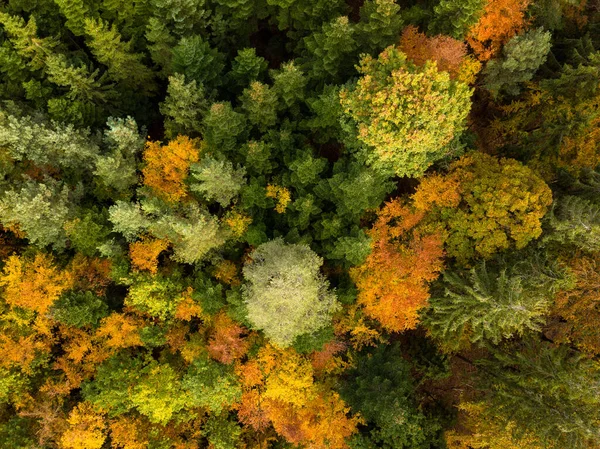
(320,224)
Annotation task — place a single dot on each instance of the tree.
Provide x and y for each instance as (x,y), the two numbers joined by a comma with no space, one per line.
(402,133)
(285,294)
(379,25)
(545,391)
(393,281)
(75,11)
(33,284)
(183,107)
(330,50)
(260,103)
(167,167)
(487,304)
(198,61)
(455,18)
(247,67)
(124,66)
(487,205)
(381,389)
(521,58)
(39,210)
(86,429)
(500,21)
(449,54)
(575,221)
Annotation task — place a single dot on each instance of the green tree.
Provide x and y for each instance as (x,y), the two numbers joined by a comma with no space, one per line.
(455,17)
(521,57)
(492,301)
(75,11)
(285,294)
(197,60)
(39,210)
(211,385)
(330,51)
(545,390)
(575,221)
(124,66)
(79,309)
(247,67)
(260,103)
(379,26)
(381,388)
(400,131)
(183,107)
(217,180)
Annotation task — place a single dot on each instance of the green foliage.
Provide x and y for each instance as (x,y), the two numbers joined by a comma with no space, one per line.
(155,296)
(545,390)
(75,11)
(223,126)
(45,143)
(381,388)
(247,67)
(455,17)
(198,61)
(79,309)
(40,210)
(487,304)
(379,26)
(575,221)
(217,180)
(222,433)
(330,51)
(289,83)
(211,385)
(183,107)
(124,66)
(285,294)
(521,58)
(260,103)
(87,232)
(402,133)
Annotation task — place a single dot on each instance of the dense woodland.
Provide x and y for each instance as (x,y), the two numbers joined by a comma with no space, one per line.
(300,224)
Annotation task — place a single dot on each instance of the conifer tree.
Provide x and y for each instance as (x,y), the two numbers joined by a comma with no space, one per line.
(76,12)
(485,305)
(521,58)
(379,26)
(124,66)
(455,17)
(183,107)
(549,392)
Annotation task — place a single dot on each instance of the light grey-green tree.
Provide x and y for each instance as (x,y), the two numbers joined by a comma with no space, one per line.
(285,294)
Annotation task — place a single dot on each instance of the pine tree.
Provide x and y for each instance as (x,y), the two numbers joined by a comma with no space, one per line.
(379,26)
(485,305)
(183,107)
(124,66)
(197,60)
(521,58)
(330,51)
(455,17)
(547,391)
(76,12)
(575,221)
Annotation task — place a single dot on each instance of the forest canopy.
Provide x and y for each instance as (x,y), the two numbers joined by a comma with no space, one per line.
(312,224)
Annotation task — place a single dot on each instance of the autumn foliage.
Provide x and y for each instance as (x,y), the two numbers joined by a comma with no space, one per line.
(449,54)
(501,20)
(393,281)
(167,166)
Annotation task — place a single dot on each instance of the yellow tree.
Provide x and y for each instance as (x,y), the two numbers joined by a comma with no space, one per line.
(167,166)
